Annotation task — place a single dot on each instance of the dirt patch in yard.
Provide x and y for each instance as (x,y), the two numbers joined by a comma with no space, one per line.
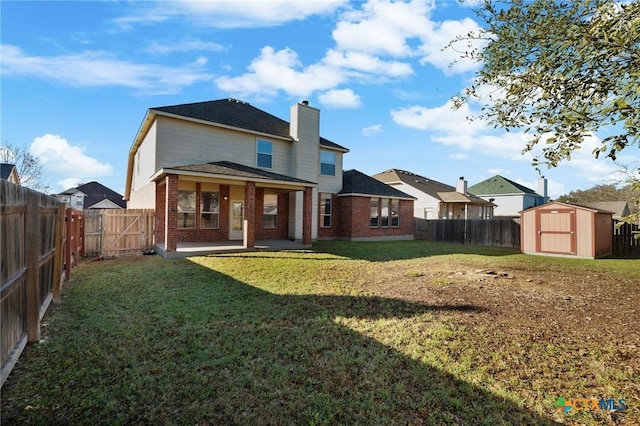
(536,329)
(540,303)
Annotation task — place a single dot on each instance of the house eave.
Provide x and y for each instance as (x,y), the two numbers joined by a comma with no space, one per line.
(239,179)
(358,194)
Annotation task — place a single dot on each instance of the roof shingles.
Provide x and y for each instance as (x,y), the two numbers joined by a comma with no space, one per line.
(238,114)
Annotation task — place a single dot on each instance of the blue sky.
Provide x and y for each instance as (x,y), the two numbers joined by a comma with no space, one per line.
(78,78)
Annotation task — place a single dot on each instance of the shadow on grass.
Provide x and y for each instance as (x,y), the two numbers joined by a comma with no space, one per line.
(380,251)
(140,349)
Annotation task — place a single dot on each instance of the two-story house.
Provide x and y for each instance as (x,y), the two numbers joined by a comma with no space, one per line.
(92,195)
(225,170)
(437,200)
(510,197)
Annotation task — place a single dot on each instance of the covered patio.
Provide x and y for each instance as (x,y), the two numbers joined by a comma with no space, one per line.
(224,247)
(224,206)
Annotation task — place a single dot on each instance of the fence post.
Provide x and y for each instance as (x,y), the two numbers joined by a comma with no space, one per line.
(33,267)
(67,247)
(59,253)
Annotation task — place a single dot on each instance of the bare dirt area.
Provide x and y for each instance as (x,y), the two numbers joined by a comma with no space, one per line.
(553,333)
(590,305)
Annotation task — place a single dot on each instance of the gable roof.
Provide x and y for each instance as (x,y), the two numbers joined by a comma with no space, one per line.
(355,182)
(230,169)
(96,192)
(559,203)
(7,169)
(238,114)
(499,185)
(438,190)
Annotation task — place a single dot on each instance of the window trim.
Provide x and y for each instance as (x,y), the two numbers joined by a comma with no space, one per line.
(187,212)
(333,165)
(377,210)
(395,213)
(322,210)
(264,214)
(264,154)
(215,211)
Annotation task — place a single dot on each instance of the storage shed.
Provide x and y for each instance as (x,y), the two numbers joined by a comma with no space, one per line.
(566,230)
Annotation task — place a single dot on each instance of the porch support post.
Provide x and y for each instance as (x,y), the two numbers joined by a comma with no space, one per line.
(249,238)
(171,214)
(307,215)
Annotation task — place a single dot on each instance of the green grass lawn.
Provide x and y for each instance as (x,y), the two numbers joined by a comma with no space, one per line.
(319,337)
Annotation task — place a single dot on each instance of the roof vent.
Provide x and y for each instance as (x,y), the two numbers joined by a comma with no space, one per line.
(305,102)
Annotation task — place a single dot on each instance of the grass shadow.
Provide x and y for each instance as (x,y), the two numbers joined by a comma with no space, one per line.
(136,347)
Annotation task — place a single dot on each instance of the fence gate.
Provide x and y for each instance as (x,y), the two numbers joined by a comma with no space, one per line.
(116,232)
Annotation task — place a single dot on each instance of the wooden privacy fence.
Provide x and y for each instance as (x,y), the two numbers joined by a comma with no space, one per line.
(485,232)
(115,232)
(624,241)
(40,240)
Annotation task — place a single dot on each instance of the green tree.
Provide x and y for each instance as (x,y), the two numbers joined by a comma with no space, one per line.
(29,167)
(559,71)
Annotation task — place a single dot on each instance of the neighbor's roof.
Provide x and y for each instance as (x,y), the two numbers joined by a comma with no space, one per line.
(238,114)
(5,170)
(355,182)
(229,169)
(499,185)
(438,190)
(618,208)
(95,193)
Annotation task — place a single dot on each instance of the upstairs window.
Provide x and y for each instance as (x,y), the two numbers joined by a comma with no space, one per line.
(265,154)
(270,211)
(327,163)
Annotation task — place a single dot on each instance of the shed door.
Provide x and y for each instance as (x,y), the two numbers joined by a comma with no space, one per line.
(556,231)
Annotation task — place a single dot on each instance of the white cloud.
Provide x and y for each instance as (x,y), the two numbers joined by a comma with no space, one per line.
(68,163)
(344,98)
(375,42)
(382,27)
(498,171)
(459,156)
(449,59)
(372,130)
(99,68)
(282,70)
(183,46)
(229,13)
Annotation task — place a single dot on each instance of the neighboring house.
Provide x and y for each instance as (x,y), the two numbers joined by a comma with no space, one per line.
(9,172)
(619,209)
(225,170)
(510,197)
(92,195)
(437,200)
